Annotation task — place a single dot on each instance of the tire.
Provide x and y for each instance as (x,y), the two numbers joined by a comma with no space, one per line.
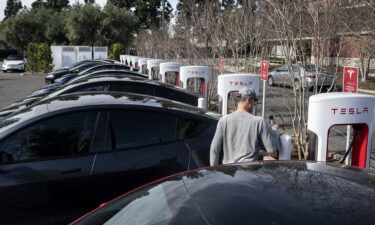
(270,81)
(4,71)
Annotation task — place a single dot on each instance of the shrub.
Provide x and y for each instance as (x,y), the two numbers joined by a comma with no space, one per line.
(32,57)
(38,57)
(44,57)
(115,51)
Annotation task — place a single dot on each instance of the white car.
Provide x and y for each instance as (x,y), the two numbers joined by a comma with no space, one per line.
(14,62)
(305,74)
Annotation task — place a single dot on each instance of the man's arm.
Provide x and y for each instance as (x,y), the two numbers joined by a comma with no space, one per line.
(216,145)
(270,138)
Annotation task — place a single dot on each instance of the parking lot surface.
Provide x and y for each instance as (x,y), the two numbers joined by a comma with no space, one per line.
(14,86)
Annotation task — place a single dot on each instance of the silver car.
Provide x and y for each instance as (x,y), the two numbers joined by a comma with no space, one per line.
(300,74)
(14,62)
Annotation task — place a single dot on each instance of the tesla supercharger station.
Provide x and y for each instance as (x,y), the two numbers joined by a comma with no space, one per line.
(135,63)
(153,67)
(196,79)
(331,109)
(142,63)
(230,84)
(170,73)
(123,59)
(129,60)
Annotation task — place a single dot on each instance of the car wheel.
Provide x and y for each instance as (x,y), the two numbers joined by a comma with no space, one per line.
(5,71)
(297,84)
(270,81)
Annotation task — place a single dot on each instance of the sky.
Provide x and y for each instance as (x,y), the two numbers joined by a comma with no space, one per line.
(29,2)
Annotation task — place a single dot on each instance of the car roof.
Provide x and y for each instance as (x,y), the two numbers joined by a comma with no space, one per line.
(129,78)
(94,100)
(103,65)
(109,72)
(264,192)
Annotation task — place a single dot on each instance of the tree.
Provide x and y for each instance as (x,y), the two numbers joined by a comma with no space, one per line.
(57,5)
(26,27)
(149,13)
(115,51)
(12,8)
(89,1)
(122,3)
(118,25)
(83,24)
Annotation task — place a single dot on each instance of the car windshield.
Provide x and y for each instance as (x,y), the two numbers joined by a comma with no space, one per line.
(312,68)
(14,57)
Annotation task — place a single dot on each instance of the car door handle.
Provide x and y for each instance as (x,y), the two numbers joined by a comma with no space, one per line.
(71,171)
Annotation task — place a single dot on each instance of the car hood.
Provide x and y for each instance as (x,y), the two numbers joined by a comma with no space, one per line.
(14,62)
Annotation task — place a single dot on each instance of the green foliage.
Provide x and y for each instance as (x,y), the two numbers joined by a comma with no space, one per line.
(56,29)
(118,26)
(28,26)
(38,57)
(44,57)
(12,8)
(32,57)
(116,50)
(149,13)
(83,24)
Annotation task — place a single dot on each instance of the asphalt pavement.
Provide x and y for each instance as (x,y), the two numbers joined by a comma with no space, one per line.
(14,87)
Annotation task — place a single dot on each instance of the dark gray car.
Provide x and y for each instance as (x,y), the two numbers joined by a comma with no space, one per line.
(66,155)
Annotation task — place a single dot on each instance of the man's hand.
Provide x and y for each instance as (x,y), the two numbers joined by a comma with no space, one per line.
(275,126)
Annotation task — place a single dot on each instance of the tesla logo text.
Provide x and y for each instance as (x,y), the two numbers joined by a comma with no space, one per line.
(349,111)
(195,72)
(240,83)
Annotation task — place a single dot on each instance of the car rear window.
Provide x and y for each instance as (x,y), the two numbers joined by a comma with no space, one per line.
(14,57)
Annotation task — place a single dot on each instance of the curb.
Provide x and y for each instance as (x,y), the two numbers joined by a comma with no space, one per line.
(366,91)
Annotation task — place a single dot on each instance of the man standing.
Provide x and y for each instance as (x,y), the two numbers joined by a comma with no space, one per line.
(240,133)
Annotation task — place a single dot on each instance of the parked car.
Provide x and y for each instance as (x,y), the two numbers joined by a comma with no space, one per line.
(105,72)
(248,193)
(14,62)
(106,83)
(65,155)
(301,75)
(50,78)
(108,66)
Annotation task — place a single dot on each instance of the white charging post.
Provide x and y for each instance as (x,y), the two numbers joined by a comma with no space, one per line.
(135,62)
(170,72)
(142,64)
(196,79)
(129,60)
(232,83)
(153,66)
(330,109)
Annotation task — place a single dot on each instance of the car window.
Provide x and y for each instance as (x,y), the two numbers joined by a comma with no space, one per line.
(175,95)
(130,129)
(14,57)
(134,88)
(63,135)
(189,127)
(283,68)
(94,87)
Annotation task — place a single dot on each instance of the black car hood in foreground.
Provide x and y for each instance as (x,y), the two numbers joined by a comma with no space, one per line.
(250,193)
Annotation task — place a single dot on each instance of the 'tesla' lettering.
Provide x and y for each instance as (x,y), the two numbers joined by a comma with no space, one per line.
(349,111)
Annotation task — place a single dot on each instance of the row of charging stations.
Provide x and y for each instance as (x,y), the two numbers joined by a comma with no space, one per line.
(194,78)
(325,110)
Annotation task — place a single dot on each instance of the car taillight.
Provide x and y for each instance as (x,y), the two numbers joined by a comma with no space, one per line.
(310,76)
